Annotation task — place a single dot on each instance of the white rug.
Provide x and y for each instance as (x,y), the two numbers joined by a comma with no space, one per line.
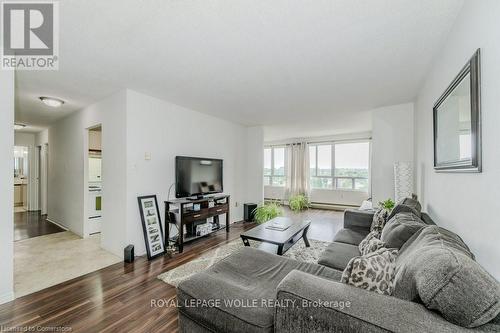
(298,251)
(44,261)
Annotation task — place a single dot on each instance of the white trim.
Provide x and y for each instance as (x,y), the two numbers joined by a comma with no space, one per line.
(352,137)
(58,224)
(7,297)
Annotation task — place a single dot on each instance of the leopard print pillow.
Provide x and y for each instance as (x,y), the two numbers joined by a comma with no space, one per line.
(372,245)
(379,220)
(373,272)
(365,243)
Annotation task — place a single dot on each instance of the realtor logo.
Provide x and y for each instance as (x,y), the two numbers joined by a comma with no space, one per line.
(30,35)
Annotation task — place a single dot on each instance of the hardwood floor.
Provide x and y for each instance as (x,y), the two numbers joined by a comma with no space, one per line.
(118,298)
(33,224)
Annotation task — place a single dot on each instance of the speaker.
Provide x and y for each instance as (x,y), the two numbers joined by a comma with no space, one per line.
(128,253)
(248,211)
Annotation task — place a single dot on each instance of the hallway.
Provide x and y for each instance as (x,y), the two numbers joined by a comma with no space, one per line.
(33,224)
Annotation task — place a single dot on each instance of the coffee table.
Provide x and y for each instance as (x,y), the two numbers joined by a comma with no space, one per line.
(284,239)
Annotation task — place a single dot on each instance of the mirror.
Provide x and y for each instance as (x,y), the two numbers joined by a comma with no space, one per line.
(457,130)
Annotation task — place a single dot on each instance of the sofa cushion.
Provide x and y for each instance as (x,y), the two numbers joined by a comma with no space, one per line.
(350,236)
(400,228)
(407,205)
(373,271)
(337,255)
(436,267)
(249,276)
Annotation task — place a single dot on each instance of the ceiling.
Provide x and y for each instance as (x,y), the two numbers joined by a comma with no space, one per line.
(296,67)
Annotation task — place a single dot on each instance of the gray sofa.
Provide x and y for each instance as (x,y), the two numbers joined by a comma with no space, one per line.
(254,291)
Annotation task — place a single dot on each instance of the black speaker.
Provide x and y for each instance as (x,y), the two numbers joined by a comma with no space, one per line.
(249,211)
(128,253)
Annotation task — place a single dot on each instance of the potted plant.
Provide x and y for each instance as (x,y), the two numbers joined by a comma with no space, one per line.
(268,211)
(299,203)
(387,204)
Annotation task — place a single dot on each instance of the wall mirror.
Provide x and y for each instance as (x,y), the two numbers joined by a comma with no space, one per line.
(457,122)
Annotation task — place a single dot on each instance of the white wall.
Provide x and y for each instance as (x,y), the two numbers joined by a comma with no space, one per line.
(7,189)
(466,203)
(255,160)
(165,130)
(392,141)
(28,140)
(42,137)
(68,164)
(42,140)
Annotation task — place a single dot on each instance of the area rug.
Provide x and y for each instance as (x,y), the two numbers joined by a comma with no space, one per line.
(299,252)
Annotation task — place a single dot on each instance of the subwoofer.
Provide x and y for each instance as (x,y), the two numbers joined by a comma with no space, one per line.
(248,212)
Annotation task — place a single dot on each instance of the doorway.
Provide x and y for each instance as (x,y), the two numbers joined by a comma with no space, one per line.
(21,179)
(94,207)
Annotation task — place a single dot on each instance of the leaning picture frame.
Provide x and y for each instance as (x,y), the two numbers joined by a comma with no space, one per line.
(151,226)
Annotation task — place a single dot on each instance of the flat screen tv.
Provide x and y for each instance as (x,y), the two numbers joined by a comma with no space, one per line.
(195,176)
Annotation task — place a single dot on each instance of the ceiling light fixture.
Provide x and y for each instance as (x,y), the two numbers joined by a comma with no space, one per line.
(19,126)
(52,102)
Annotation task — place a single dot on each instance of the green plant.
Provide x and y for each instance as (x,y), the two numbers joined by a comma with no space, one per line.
(298,203)
(387,204)
(267,211)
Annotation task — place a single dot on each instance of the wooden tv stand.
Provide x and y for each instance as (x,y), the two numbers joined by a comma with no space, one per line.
(185,215)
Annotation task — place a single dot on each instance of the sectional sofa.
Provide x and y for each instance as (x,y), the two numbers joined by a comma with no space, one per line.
(438,286)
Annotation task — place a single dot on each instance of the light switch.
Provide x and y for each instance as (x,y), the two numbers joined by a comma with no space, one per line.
(147,156)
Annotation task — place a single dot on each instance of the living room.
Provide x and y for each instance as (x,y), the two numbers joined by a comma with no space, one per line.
(317,113)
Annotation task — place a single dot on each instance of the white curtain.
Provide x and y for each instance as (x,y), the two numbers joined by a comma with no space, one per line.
(297,169)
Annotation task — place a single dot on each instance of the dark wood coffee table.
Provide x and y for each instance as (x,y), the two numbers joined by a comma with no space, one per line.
(284,239)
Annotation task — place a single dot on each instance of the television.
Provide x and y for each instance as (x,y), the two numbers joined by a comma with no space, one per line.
(196,176)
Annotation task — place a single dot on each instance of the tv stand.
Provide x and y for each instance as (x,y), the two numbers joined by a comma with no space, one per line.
(185,215)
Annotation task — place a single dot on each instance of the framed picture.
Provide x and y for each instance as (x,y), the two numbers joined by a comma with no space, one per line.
(151,226)
(457,122)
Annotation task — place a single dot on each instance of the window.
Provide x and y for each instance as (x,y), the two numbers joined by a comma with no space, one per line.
(343,166)
(320,162)
(274,166)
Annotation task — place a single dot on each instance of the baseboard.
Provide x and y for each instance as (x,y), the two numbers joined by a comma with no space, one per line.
(58,224)
(7,297)
(337,207)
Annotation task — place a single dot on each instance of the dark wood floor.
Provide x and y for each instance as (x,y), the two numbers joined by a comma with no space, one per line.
(113,299)
(33,224)
(118,298)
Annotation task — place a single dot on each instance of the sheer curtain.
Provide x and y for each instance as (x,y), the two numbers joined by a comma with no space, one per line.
(297,169)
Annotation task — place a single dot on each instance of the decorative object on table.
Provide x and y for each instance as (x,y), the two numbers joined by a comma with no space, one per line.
(457,122)
(279,223)
(151,226)
(403,180)
(268,211)
(299,203)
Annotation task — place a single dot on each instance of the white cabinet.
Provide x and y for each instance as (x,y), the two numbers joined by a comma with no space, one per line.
(94,169)
(95,140)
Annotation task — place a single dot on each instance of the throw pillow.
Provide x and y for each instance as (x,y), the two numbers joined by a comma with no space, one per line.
(370,243)
(379,219)
(373,245)
(373,272)
(400,228)
(437,268)
(407,205)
